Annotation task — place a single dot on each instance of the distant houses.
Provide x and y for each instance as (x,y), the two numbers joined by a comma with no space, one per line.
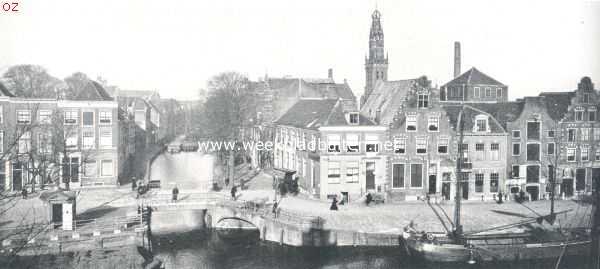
(403,143)
(81,137)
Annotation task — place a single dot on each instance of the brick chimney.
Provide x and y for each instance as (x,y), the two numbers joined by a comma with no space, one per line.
(330,73)
(456,59)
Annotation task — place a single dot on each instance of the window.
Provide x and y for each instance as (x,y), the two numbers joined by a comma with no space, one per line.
(499,92)
(515,171)
(333,143)
(105,117)
(45,116)
(596,134)
(571,135)
(352,144)
(106,138)
(1,141)
(533,130)
(550,148)
(570,154)
(533,174)
(333,172)
(106,168)
(411,122)
(585,154)
(372,143)
(516,134)
(586,98)
(551,133)
(592,113)
(443,145)
(23,116)
(88,118)
(494,151)
(579,114)
(88,139)
(71,140)
(70,116)
(488,92)
(585,134)
(478,182)
(89,168)
(479,147)
(398,175)
(399,145)
(433,123)
(465,150)
(416,175)
(494,178)
(476,92)
(421,145)
(597,153)
(24,142)
(71,169)
(481,124)
(516,149)
(533,152)
(423,100)
(352,172)
(45,143)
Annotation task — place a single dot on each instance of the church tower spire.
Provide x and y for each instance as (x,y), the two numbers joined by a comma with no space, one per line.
(376,65)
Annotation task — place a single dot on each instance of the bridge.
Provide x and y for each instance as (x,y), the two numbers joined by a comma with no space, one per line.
(218,211)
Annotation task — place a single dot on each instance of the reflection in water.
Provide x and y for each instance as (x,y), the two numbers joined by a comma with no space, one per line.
(212,250)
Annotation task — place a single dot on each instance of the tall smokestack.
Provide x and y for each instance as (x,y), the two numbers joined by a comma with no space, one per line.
(456,59)
(330,73)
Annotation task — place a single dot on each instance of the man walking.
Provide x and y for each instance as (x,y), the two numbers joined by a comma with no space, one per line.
(233,192)
(175,193)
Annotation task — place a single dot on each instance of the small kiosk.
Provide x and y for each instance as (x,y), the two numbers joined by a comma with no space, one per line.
(61,207)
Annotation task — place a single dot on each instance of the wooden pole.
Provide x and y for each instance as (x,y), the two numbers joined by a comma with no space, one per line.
(459,162)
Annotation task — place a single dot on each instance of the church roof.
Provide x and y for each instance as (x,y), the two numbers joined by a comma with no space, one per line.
(474,77)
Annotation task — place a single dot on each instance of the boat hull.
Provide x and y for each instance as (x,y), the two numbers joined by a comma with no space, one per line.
(449,252)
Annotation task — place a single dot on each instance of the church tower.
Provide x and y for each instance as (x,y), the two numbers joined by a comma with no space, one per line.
(376,64)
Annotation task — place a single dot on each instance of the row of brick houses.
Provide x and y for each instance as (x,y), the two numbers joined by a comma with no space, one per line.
(403,142)
(84,138)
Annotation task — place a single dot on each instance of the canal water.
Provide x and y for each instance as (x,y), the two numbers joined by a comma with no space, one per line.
(241,250)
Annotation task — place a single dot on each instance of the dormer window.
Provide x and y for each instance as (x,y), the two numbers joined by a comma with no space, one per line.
(586,98)
(579,114)
(481,123)
(592,113)
(353,118)
(423,100)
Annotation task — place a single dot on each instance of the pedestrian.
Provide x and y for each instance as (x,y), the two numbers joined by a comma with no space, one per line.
(133,184)
(233,192)
(24,193)
(369,198)
(275,205)
(227,182)
(334,205)
(500,198)
(175,193)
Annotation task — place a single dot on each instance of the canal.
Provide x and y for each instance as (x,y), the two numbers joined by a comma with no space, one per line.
(237,250)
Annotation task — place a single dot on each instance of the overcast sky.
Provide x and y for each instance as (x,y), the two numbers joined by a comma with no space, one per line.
(175,46)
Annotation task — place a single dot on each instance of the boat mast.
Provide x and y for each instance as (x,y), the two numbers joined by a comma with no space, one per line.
(459,178)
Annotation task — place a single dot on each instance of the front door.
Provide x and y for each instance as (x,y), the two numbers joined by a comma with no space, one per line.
(446,190)
(17,179)
(595,177)
(533,192)
(432,184)
(566,187)
(370,177)
(345,197)
(57,213)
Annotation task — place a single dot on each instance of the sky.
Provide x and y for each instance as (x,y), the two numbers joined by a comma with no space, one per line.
(176,46)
